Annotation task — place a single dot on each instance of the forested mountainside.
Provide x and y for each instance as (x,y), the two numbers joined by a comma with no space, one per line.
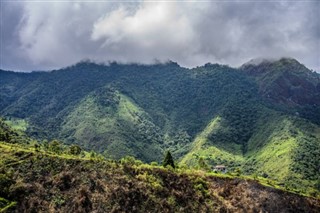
(52,177)
(262,119)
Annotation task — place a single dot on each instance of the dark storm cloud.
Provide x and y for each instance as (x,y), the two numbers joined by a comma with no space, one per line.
(10,19)
(37,35)
(239,31)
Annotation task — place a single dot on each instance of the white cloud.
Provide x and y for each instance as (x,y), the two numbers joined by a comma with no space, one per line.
(41,35)
(55,34)
(155,30)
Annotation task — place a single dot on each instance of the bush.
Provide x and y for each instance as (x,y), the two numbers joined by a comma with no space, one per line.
(5,183)
(154,182)
(74,150)
(153,163)
(130,161)
(55,146)
(201,186)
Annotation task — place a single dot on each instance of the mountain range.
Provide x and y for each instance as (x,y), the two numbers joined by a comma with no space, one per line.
(261,118)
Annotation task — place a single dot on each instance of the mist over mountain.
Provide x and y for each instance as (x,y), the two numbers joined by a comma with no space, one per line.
(191,33)
(160,106)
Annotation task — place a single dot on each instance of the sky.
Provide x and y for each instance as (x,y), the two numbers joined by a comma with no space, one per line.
(47,34)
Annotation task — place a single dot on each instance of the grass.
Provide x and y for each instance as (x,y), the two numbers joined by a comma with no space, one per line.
(127,109)
(272,152)
(202,138)
(8,160)
(56,182)
(5,205)
(274,158)
(210,152)
(17,124)
(124,126)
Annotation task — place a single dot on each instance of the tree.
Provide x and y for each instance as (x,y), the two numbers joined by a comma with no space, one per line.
(74,149)
(168,160)
(55,146)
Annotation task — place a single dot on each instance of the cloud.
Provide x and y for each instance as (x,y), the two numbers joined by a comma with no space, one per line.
(47,35)
(155,30)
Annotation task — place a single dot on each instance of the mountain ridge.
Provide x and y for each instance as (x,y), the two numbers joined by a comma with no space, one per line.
(142,110)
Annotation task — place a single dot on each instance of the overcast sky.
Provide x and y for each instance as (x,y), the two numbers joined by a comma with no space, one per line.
(44,35)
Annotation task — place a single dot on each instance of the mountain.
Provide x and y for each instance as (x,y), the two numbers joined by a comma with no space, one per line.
(289,84)
(34,178)
(262,118)
(286,82)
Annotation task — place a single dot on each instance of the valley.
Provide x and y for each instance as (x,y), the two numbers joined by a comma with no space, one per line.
(258,120)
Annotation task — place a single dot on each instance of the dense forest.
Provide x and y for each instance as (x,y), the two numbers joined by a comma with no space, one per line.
(261,120)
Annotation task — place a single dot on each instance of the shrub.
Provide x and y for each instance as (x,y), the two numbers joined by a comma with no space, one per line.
(153,163)
(154,182)
(55,146)
(74,150)
(130,161)
(5,183)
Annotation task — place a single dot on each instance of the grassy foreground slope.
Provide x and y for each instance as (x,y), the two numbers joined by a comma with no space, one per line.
(34,181)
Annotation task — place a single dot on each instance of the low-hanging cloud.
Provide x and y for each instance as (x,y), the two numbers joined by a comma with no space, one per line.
(48,35)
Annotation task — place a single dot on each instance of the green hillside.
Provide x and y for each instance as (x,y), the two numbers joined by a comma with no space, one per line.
(111,123)
(42,179)
(177,103)
(261,119)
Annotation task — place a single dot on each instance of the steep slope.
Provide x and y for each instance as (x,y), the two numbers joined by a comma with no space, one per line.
(182,102)
(178,101)
(213,152)
(281,147)
(262,118)
(289,85)
(33,181)
(111,123)
(285,149)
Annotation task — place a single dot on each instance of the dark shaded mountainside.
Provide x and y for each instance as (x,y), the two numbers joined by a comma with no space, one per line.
(260,118)
(34,178)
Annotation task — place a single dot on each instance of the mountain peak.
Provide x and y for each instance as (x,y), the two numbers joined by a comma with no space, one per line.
(258,61)
(261,66)
(285,81)
(264,61)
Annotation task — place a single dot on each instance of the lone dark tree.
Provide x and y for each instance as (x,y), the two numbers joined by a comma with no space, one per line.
(168,160)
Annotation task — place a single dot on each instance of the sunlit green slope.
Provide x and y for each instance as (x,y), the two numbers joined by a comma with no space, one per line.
(110,122)
(261,118)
